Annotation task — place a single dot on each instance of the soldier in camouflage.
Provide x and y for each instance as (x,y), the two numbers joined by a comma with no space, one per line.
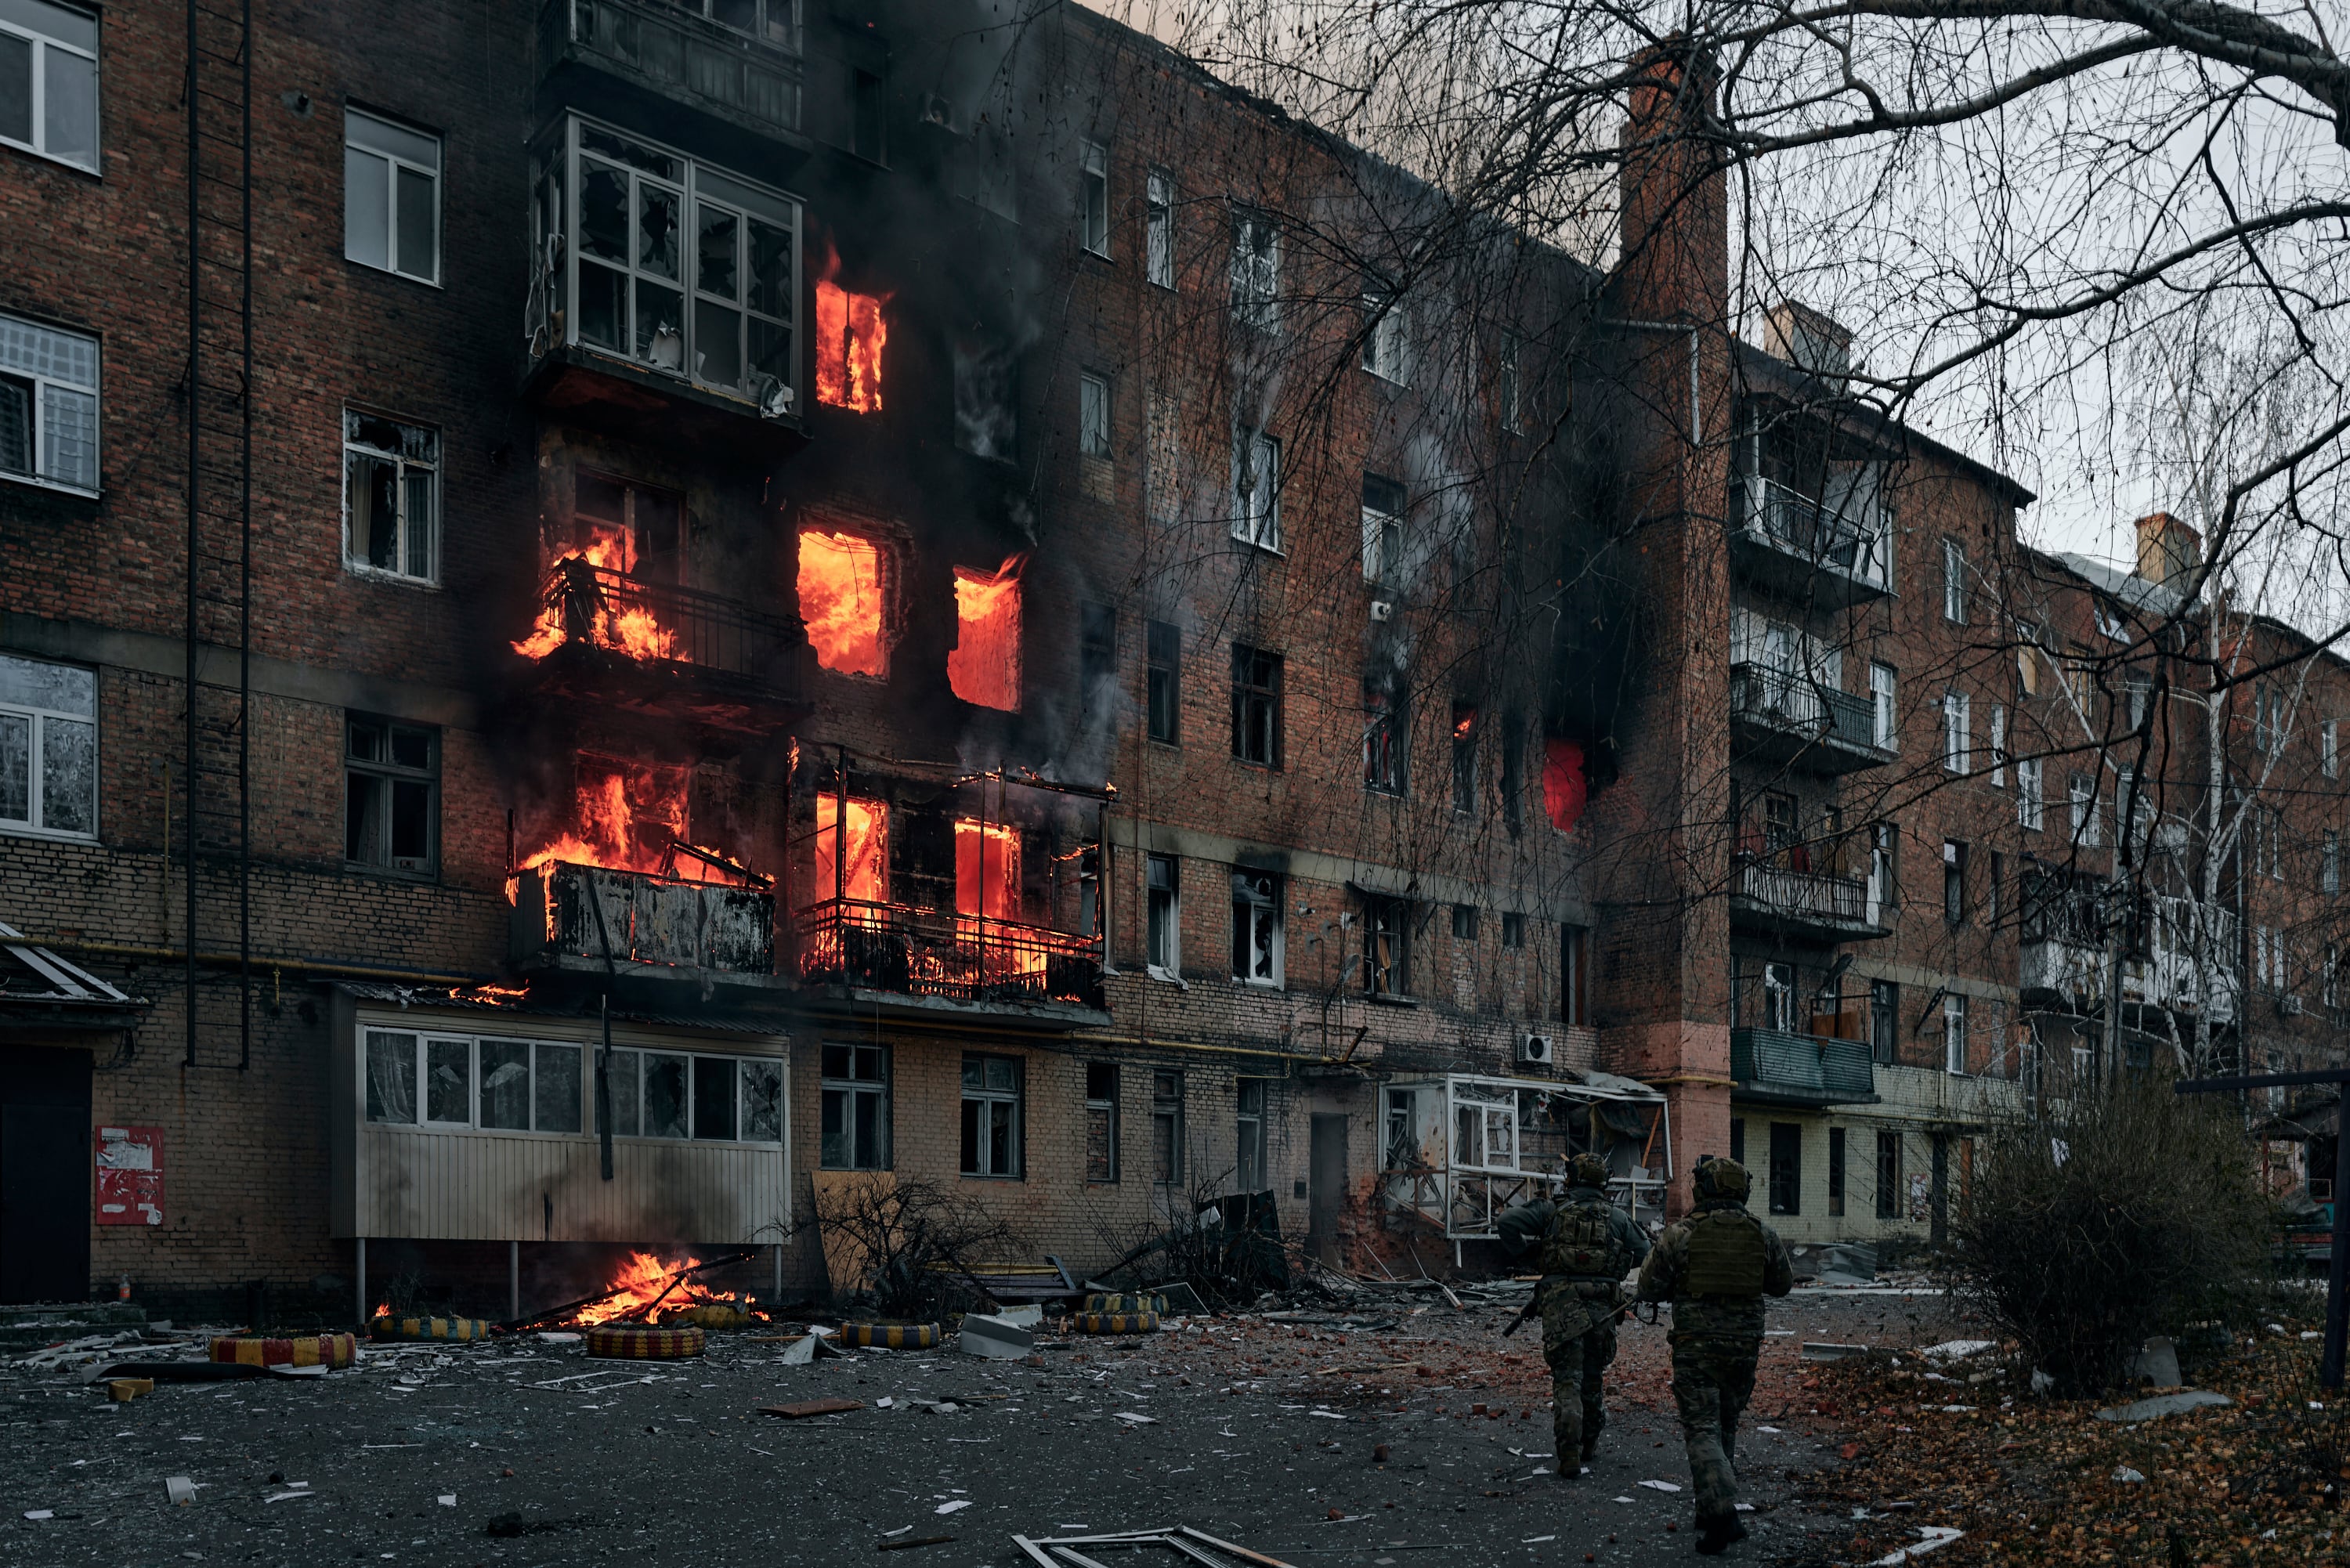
(1588,1245)
(1715,1265)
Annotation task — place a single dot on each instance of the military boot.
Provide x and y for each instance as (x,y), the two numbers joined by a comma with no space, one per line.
(1717,1535)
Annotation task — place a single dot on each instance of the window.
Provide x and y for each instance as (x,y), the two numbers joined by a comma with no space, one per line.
(984,665)
(2029,810)
(1510,387)
(1954,1033)
(1158,228)
(2329,748)
(49,81)
(1257,490)
(1998,746)
(1738,1140)
(1386,930)
(1464,759)
(1256,928)
(1836,1172)
(2268,719)
(2137,699)
(867,106)
(841,594)
(2329,862)
(1954,882)
(1097,648)
(1991,883)
(1383,736)
(48,399)
(673,264)
(1513,929)
(1402,1153)
(391,497)
(1101,1121)
(1248,1169)
(855,1107)
(1464,922)
(772,20)
(392,197)
(1256,705)
(1883,723)
(1888,1176)
(391,781)
(1958,731)
(1882,842)
(1575,976)
(48,748)
(1093,197)
(633,529)
(1883,1021)
(1162,910)
(1786,1168)
(1163,653)
(1383,505)
(1256,273)
(990,1117)
(1385,338)
(2081,794)
(1954,582)
(1167,1128)
(539,1086)
(1092,417)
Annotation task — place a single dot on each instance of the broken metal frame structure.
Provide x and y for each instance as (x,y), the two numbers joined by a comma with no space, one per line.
(1483,1164)
(1179,1540)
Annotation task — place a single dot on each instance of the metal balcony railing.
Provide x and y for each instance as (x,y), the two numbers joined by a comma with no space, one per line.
(1808,1068)
(754,77)
(1808,528)
(1811,896)
(962,958)
(646,918)
(1790,701)
(661,623)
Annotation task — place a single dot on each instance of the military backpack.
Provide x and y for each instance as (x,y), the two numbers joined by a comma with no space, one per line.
(1726,1254)
(1582,1243)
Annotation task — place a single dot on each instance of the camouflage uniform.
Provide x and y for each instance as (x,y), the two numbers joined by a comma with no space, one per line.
(1588,1245)
(1715,1266)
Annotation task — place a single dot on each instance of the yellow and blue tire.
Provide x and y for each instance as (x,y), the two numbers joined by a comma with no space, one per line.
(452,1329)
(889,1335)
(1127,1304)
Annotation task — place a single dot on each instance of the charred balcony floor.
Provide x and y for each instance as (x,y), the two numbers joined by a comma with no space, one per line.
(917,963)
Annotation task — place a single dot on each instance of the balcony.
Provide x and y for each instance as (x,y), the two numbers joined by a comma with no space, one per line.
(1783,893)
(606,637)
(1786,719)
(1804,549)
(1770,1066)
(746,77)
(934,959)
(568,917)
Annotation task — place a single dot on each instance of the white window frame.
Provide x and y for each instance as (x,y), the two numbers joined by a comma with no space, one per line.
(2081,801)
(1253,912)
(1958,731)
(38,719)
(2031,802)
(986,1094)
(356,122)
(1954,1033)
(1257,490)
(1885,718)
(1256,272)
(1382,536)
(1093,416)
(1954,582)
(1999,745)
(2329,748)
(643,1055)
(2329,862)
(48,359)
(584,1113)
(405,470)
(1159,229)
(1386,337)
(1163,958)
(1093,199)
(36,62)
(850,1090)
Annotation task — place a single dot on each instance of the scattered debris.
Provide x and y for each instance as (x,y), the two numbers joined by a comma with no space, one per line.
(2157,1364)
(800,1410)
(910,1545)
(957,1505)
(2127,1476)
(1061,1550)
(996,1338)
(1954,1349)
(2164,1405)
(122,1390)
(1936,1537)
(1661,1485)
(179,1489)
(1820,1350)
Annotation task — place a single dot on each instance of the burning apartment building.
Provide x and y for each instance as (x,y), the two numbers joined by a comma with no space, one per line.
(809,600)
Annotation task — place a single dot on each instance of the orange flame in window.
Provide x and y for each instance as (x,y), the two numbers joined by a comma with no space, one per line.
(849,335)
(983,667)
(840,600)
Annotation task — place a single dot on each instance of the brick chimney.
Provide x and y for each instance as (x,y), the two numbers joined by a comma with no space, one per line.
(1674,259)
(2167,550)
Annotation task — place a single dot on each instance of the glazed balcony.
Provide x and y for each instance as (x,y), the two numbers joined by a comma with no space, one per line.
(1786,719)
(737,61)
(1771,1067)
(1804,549)
(570,917)
(934,957)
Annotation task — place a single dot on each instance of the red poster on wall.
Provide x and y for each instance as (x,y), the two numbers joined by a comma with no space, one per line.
(131,1176)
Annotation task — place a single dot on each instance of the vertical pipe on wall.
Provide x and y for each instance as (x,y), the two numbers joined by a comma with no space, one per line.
(361,1272)
(513,1280)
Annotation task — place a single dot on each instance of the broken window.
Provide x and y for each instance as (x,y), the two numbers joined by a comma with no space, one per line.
(986,414)
(1256,705)
(625,527)
(991,1115)
(1101,1121)
(48,80)
(1167,1128)
(1093,197)
(1383,736)
(528,1086)
(672,1095)
(1256,928)
(391,1078)
(864,878)
(840,594)
(48,747)
(849,336)
(1565,786)
(1257,490)
(1256,272)
(1164,651)
(390,797)
(48,402)
(772,20)
(1248,1167)
(1162,934)
(1093,416)
(391,513)
(1464,759)
(1383,503)
(984,666)
(391,196)
(1159,229)
(1385,342)
(1387,933)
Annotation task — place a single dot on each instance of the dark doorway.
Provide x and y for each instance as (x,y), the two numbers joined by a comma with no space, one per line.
(44,1175)
(1786,1168)
(1326,1192)
(1938,1231)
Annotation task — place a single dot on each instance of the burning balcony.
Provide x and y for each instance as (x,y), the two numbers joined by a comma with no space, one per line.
(1774,1067)
(905,952)
(623,640)
(570,915)
(1781,717)
(738,60)
(1832,551)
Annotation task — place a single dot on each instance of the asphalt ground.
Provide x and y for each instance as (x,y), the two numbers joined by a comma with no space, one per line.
(1267,1434)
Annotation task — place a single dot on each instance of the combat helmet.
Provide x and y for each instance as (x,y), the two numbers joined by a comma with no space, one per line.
(1717,1178)
(1586,1170)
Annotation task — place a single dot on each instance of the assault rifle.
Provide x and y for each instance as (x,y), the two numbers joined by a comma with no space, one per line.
(1534,1308)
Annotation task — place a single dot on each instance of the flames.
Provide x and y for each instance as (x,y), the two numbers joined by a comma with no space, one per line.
(865,878)
(629,629)
(984,666)
(840,600)
(648,1285)
(625,816)
(850,334)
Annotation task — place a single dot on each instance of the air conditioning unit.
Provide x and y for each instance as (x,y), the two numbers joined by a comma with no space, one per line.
(2288,1007)
(1537,1051)
(1382,609)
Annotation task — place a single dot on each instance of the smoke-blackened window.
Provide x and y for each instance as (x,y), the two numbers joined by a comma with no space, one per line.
(1165,655)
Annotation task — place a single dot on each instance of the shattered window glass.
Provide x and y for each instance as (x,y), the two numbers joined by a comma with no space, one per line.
(665,1095)
(390,1077)
(16,767)
(390,489)
(506,1085)
(621,1076)
(763,1101)
(555,1089)
(449,1081)
(714,1097)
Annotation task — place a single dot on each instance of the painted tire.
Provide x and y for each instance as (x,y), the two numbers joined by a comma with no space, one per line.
(310,1350)
(889,1335)
(1126,1304)
(1116,1323)
(710,1314)
(642,1342)
(442,1328)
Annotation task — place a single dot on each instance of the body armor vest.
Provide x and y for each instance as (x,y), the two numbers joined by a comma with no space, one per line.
(1581,1244)
(1726,1254)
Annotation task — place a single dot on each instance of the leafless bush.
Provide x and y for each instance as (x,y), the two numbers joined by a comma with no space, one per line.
(1226,1246)
(916,1244)
(2123,1210)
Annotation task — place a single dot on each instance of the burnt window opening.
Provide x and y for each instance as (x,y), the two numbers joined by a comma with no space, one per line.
(855,1081)
(1101,1122)
(843,580)
(992,1097)
(986,412)
(1786,1168)
(1162,915)
(392,796)
(1256,706)
(1089,911)
(1256,928)
(984,666)
(1386,942)
(1383,508)
(1384,736)
(851,334)
(1884,1022)
(625,527)
(1167,1128)
(1836,1172)
(867,115)
(1464,759)
(1163,653)
(1093,197)
(863,875)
